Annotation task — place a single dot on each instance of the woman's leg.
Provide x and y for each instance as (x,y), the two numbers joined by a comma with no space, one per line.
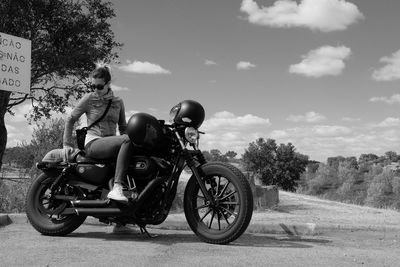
(111,147)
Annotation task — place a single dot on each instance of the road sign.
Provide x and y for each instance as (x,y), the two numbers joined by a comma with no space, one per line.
(15,63)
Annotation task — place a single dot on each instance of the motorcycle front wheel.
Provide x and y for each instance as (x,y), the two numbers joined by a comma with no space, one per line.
(42,210)
(227,218)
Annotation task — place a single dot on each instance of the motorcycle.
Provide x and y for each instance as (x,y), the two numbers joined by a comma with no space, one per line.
(218,202)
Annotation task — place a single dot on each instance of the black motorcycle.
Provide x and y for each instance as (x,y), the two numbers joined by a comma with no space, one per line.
(218,201)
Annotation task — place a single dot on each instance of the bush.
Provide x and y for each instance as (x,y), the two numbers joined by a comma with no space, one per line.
(380,191)
(12,197)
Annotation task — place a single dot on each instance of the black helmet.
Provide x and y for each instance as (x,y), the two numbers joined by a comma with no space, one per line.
(144,130)
(189,113)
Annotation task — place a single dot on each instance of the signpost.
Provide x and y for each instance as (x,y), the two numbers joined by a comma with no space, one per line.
(15,63)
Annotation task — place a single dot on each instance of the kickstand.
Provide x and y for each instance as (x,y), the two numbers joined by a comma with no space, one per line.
(143,230)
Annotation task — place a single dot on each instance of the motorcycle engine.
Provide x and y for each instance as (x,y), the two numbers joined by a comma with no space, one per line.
(142,169)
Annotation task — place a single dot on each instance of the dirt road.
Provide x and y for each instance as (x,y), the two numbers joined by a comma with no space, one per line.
(94,245)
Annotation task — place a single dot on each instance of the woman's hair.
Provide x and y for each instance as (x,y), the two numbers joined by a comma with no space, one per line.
(102,72)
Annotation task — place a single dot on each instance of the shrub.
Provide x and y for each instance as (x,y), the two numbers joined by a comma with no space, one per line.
(380,190)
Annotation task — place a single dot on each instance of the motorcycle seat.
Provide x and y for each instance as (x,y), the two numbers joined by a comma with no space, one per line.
(81,158)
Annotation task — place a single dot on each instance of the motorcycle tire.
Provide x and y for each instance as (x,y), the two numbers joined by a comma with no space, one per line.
(39,209)
(227,219)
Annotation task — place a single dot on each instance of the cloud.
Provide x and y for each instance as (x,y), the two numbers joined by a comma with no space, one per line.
(144,68)
(350,119)
(244,65)
(209,62)
(389,72)
(326,60)
(19,113)
(228,120)
(226,131)
(308,117)
(389,122)
(119,88)
(323,15)
(388,100)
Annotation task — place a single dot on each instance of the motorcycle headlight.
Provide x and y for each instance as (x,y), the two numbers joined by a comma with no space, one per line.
(191,134)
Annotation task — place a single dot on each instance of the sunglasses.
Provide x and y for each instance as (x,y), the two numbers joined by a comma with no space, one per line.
(97,86)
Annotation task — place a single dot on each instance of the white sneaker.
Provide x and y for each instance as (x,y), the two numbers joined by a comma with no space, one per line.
(117,194)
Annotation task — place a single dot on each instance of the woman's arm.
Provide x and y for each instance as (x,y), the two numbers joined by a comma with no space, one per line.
(72,118)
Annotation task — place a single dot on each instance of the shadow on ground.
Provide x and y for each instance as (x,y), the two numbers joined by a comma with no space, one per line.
(174,237)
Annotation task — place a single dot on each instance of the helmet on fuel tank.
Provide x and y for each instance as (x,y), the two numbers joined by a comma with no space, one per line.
(189,113)
(144,130)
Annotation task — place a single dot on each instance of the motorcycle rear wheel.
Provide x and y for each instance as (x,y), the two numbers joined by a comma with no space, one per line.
(41,210)
(227,219)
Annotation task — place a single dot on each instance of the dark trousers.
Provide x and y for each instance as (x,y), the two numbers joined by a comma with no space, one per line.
(109,147)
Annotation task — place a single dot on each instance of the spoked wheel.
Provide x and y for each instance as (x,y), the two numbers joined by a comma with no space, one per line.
(43,211)
(227,216)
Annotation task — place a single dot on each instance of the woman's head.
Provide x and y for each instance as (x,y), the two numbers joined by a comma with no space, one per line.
(101,78)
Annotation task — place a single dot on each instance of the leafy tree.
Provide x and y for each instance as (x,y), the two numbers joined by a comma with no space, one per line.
(391,156)
(216,155)
(289,166)
(259,157)
(279,165)
(231,154)
(67,38)
(335,161)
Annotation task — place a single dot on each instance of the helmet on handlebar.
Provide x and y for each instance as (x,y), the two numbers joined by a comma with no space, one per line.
(189,113)
(144,130)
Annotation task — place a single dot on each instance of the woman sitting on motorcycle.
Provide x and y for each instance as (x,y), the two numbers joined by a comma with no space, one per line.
(101,141)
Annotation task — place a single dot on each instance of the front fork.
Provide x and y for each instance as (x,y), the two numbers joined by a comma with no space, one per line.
(188,155)
(197,172)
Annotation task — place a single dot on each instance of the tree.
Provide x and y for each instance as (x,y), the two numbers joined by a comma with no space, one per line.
(231,154)
(216,155)
(259,157)
(335,161)
(391,156)
(67,38)
(289,166)
(278,165)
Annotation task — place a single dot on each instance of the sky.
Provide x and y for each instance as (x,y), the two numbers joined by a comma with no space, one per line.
(321,74)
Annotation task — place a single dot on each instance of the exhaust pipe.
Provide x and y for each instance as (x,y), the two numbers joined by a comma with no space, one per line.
(90,203)
(93,211)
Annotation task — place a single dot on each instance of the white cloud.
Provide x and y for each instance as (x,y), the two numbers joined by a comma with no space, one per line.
(330,130)
(308,117)
(326,60)
(119,88)
(209,62)
(350,119)
(391,71)
(389,122)
(20,111)
(227,120)
(226,131)
(244,65)
(323,15)
(388,100)
(144,68)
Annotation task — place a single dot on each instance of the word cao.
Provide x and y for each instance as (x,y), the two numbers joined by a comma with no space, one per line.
(10,43)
